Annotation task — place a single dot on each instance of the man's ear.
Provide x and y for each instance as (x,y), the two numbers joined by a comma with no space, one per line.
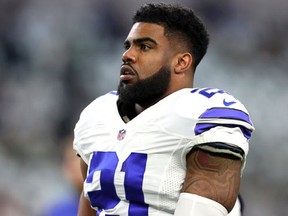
(183,62)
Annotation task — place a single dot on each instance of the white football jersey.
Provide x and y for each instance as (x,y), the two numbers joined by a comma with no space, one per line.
(138,168)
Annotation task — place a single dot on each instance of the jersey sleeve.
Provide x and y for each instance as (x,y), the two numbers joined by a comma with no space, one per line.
(229,126)
(80,132)
(224,125)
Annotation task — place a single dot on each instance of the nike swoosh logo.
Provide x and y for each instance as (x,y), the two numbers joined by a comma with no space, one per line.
(228,103)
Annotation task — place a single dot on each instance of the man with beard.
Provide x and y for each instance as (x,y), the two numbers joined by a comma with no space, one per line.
(158,146)
(143,93)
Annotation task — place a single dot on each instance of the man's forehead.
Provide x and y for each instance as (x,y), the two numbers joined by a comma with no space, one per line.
(143,29)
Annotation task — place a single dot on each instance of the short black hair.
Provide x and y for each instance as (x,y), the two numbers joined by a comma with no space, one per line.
(180,21)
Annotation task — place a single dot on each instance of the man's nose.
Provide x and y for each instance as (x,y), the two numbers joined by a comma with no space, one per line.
(129,55)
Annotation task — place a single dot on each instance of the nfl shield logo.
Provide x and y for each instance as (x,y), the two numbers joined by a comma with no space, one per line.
(121,134)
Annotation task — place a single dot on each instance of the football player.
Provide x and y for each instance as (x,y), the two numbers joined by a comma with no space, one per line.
(158,146)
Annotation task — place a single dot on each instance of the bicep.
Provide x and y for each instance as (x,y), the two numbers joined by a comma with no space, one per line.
(214,176)
(84,168)
(84,208)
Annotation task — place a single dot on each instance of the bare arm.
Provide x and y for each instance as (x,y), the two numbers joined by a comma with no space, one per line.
(84,204)
(214,176)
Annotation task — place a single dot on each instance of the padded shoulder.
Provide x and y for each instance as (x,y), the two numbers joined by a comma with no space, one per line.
(214,107)
(90,118)
(219,118)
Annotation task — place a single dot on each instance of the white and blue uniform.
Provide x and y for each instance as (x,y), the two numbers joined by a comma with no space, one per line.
(138,168)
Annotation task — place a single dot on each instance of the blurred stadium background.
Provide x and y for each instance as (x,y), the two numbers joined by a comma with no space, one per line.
(56,56)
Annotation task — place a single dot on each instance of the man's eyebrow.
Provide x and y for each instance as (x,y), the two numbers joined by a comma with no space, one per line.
(141,40)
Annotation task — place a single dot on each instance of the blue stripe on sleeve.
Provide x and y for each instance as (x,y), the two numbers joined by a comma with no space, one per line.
(200,128)
(226,113)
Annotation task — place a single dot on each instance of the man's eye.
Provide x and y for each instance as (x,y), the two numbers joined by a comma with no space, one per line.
(126,46)
(144,47)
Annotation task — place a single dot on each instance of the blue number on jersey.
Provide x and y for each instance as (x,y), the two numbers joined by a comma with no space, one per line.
(106,198)
(207,94)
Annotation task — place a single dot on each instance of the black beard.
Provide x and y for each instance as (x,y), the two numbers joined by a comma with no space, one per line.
(145,92)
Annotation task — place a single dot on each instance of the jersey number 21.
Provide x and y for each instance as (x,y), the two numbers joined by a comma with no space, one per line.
(105,163)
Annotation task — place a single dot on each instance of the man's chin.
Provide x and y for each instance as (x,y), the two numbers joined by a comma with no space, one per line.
(126,84)
(145,91)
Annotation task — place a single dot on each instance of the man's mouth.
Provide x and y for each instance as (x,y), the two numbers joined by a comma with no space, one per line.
(127,74)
